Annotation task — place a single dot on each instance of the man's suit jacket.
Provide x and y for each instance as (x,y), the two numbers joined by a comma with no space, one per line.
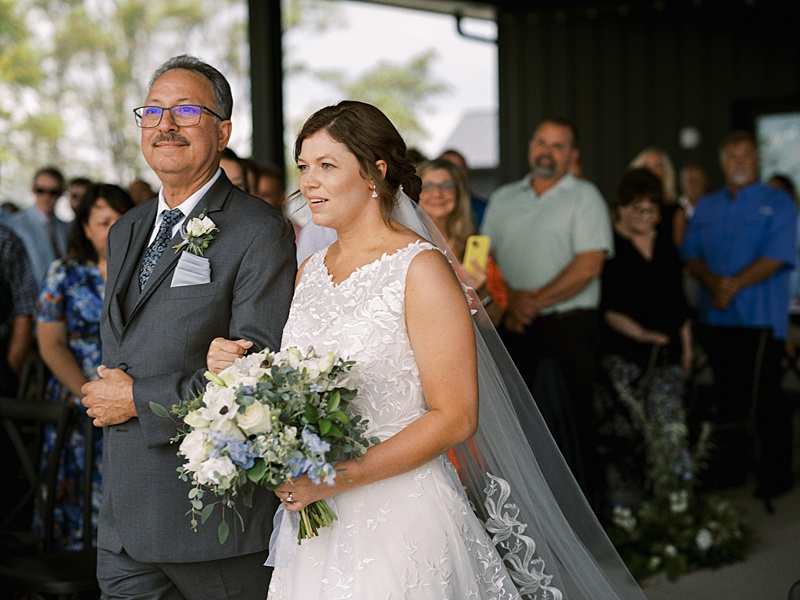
(29,228)
(161,336)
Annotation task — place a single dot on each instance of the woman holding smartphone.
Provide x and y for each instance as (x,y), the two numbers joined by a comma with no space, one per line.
(445,198)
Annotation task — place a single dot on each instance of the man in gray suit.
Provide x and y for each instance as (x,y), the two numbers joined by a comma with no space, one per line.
(162,310)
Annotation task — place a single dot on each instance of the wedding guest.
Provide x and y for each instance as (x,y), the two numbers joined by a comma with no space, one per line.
(16,338)
(477,202)
(69,343)
(784,182)
(693,185)
(646,339)
(16,329)
(140,191)
(741,246)
(657,161)
(445,198)
(164,308)
(551,234)
(234,169)
(42,233)
(271,186)
(76,188)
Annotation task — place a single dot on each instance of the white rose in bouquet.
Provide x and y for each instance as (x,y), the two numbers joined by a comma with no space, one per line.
(218,471)
(195,447)
(325,364)
(228,428)
(294,357)
(256,418)
(195,420)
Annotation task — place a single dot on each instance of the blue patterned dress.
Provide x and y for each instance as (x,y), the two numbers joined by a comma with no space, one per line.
(73,293)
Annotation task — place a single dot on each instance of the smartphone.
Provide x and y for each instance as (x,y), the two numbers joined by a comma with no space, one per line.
(477,248)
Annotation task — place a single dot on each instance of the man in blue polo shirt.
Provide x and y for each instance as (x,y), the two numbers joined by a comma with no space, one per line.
(740,245)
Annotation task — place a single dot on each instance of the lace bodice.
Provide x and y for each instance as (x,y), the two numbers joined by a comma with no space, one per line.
(363,319)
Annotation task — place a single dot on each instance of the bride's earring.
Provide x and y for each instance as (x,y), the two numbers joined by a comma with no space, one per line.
(374,192)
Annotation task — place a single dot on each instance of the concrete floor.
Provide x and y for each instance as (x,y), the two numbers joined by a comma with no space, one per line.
(769,571)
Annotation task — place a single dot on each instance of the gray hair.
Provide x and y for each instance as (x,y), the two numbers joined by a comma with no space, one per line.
(222,89)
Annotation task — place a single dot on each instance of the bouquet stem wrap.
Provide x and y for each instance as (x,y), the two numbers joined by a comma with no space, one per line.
(287,531)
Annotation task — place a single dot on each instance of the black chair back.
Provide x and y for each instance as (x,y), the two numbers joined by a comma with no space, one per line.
(44,572)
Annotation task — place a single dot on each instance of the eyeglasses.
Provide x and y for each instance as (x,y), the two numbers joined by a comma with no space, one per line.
(46,191)
(644,211)
(447,186)
(183,115)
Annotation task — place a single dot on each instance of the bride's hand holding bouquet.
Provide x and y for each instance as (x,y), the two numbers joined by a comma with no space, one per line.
(277,420)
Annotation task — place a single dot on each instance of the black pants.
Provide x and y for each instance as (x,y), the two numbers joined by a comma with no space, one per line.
(569,341)
(746,363)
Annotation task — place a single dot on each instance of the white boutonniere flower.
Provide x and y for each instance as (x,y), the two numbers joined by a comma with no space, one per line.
(198,234)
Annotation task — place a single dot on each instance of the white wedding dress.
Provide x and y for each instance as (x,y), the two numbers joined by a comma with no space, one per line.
(413,536)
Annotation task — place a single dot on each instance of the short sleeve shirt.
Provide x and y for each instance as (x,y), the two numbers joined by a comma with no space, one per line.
(728,234)
(535,237)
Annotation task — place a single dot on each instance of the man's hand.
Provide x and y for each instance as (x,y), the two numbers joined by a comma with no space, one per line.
(523,308)
(724,291)
(109,400)
(222,353)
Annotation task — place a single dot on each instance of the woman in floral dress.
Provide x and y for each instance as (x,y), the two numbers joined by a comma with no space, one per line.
(70,304)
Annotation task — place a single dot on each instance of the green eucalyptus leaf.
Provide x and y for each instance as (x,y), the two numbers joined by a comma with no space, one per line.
(222,532)
(159,410)
(207,510)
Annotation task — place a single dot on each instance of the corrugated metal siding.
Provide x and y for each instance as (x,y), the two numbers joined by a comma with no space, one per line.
(633,79)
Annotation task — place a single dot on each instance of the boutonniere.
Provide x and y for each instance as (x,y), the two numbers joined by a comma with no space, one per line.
(197,234)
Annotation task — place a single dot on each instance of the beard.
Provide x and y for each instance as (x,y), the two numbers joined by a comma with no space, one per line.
(742,177)
(544,166)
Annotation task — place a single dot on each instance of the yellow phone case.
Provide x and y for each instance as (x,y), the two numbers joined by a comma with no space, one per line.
(478,248)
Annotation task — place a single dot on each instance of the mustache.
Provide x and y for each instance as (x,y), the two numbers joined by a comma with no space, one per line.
(169,137)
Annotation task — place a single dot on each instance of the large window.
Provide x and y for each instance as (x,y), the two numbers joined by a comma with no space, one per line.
(779,144)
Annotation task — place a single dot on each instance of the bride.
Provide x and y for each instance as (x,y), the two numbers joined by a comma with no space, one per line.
(385,296)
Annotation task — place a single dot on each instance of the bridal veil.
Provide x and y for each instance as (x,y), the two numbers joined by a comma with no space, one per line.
(518,482)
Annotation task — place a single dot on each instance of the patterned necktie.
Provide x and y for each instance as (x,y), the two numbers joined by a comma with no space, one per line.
(154,251)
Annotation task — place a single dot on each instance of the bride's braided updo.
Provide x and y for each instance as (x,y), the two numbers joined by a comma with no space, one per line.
(370,136)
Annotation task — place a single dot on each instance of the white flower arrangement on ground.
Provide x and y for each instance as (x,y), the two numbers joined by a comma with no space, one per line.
(267,419)
(676,529)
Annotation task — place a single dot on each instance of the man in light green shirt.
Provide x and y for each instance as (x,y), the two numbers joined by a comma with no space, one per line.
(550,235)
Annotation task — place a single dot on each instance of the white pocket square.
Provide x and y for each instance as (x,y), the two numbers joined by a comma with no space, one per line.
(191,270)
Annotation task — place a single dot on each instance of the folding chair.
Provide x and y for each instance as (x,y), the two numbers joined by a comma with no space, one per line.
(43,572)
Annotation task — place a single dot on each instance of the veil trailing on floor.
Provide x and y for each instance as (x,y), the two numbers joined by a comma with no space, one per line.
(516,479)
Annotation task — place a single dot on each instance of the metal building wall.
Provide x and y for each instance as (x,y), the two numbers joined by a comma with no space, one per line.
(631,75)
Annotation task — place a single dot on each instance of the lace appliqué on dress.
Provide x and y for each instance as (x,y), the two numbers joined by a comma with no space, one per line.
(519,550)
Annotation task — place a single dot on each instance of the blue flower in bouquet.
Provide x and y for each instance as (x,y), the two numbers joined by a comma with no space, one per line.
(313,443)
(240,454)
(323,472)
(299,465)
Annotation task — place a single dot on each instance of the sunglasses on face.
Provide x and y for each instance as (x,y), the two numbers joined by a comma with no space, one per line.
(46,191)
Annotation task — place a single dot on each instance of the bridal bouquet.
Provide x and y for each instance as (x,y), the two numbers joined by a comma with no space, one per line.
(267,419)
